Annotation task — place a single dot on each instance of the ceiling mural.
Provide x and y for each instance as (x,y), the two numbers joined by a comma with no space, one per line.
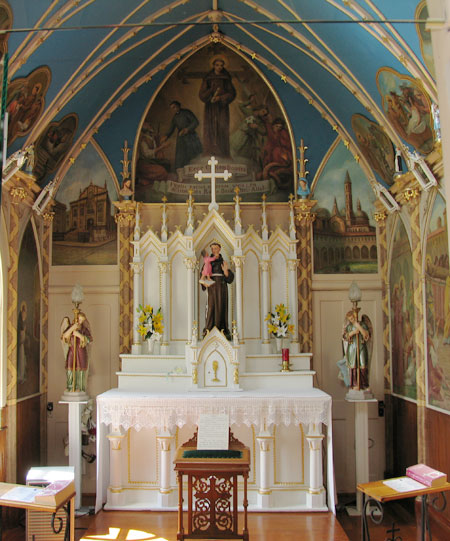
(214,104)
(376,147)
(108,60)
(53,145)
(6,20)
(408,108)
(26,101)
(425,37)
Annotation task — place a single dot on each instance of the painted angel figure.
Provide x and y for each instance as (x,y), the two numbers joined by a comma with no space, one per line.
(75,339)
(357,343)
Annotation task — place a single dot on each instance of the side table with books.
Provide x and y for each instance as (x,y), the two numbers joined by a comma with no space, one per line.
(375,494)
(58,495)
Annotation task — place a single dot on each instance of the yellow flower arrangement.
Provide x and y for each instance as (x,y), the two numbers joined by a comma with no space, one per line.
(150,322)
(277,323)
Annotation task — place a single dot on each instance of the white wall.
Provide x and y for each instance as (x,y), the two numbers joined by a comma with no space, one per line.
(330,304)
(101,306)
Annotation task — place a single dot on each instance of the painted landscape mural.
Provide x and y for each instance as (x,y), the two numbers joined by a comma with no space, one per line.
(84,231)
(437,282)
(344,231)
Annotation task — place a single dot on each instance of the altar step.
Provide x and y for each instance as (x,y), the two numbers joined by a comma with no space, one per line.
(170,364)
(168,373)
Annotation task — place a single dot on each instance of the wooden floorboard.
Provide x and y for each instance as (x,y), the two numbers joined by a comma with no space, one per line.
(161,526)
(262,526)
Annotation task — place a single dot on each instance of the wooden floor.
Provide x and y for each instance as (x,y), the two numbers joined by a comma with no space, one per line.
(162,526)
(262,526)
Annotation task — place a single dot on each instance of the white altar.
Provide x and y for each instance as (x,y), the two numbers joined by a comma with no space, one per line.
(282,429)
(279,415)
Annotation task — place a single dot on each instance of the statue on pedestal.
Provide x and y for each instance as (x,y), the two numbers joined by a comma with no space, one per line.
(357,345)
(356,336)
(217,309)
(75,339)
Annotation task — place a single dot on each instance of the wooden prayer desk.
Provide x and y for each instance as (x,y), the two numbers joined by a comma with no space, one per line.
(377,493)
(68,505)
(212,491)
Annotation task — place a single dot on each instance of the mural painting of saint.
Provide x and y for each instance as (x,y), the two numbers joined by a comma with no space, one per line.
(26,101)
(376,147)
(277,159)
(408,108)
(217,92)
(188,143)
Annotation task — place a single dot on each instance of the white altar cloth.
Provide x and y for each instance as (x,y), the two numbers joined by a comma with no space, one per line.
(164,411)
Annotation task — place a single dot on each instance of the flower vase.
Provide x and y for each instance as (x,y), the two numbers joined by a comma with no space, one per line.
(151,345)
(279,343)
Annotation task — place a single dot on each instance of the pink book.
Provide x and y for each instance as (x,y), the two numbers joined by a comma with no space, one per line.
(55,493)
(426,475)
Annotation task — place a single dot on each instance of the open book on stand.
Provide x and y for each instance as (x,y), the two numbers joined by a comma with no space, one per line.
(426,475)
(55,493)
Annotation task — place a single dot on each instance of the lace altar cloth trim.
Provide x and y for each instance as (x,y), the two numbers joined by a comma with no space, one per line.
(164,411)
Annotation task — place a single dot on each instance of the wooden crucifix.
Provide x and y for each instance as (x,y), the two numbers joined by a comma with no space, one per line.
(213,175)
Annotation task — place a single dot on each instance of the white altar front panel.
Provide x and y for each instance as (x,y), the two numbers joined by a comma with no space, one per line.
(140,420)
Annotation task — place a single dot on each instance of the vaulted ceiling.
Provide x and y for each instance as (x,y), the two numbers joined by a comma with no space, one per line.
(108,57)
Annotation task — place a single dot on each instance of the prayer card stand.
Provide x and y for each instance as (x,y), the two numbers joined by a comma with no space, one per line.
(76,402)
(212,490)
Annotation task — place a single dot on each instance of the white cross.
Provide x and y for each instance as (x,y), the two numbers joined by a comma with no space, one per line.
(213,175)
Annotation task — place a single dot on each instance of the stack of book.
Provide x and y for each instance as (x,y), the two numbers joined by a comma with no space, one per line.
(426,475)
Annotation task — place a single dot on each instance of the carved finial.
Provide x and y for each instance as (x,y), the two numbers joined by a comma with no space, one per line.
(125,162)
(164,219)
(264,229)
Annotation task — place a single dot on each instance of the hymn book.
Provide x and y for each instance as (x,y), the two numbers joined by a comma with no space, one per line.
(55,493)
(426,475)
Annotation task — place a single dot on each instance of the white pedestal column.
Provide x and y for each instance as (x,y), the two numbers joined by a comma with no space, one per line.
(137,268)
(76,406)
(163,272)
(265,265)
(165,440)
(239,262)
(190,263)
(115,438)
(362,449)
(315,499)
(265,440)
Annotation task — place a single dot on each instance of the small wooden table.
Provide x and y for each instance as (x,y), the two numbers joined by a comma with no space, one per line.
(68,505)
(377,493)
(212,492)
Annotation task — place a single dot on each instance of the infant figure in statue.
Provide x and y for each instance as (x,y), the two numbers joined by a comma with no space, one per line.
(205,279)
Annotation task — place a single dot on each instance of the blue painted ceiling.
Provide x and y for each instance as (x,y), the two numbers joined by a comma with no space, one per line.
(108,57)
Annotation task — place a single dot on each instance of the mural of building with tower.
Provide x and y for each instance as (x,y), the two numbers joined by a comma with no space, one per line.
(344,240)
(88,219)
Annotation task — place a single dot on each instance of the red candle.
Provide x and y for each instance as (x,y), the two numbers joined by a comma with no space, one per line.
(285,354)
